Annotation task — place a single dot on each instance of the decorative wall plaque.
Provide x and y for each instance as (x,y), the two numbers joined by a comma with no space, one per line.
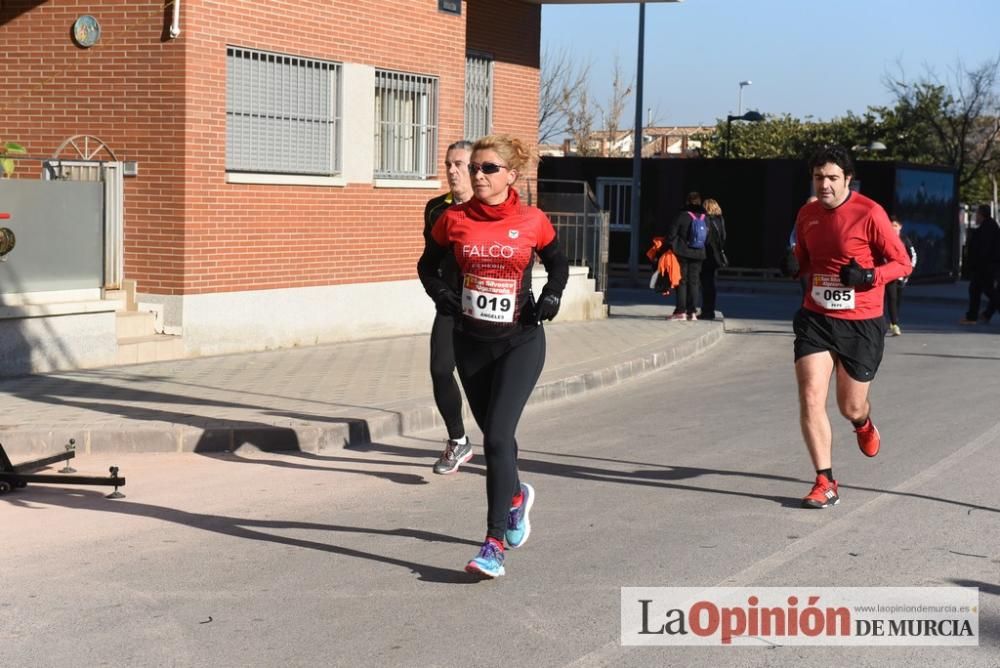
(86,31)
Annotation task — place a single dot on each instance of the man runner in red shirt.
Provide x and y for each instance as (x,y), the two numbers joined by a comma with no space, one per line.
(847,252)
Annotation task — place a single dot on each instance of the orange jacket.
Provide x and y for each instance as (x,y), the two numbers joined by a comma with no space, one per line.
(667,265)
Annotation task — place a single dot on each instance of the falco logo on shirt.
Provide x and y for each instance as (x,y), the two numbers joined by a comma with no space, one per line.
(488,250)
(811,223)
(512,234)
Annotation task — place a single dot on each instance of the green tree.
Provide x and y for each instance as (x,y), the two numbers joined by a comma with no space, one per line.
(954,123)
(788,137)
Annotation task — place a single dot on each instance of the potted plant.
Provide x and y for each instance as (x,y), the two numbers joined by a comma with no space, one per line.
(7,164)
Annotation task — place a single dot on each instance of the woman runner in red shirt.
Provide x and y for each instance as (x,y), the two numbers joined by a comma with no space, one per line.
(499,341)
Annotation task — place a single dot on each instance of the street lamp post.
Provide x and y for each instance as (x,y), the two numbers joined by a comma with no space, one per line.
(750,116)
(739,106)
(634,217)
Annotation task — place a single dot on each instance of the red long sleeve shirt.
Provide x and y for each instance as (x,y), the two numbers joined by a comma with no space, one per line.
(828,239)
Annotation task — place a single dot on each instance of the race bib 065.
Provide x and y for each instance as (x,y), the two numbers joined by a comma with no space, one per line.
(828,292)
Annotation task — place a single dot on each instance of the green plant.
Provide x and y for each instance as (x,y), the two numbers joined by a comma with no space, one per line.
(7,164)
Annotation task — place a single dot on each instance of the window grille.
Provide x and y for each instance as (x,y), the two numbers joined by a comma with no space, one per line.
(406,116)
(478,96)
(282,113)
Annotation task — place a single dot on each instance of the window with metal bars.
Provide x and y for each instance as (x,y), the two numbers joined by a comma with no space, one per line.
(282,113)
(406,132)
(478,95)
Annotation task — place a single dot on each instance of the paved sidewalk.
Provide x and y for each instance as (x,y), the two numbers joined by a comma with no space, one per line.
(331,396)
(311,398)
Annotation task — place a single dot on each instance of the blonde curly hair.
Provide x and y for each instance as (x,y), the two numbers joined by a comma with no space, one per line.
(514,152)
(712,207)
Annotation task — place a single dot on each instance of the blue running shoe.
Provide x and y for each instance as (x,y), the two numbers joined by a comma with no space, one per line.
(488,562)
(518,524)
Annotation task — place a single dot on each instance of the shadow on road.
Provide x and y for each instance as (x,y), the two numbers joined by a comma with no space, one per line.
(955,357)
(656,475)
(391,476)
(252,529)
(984,587)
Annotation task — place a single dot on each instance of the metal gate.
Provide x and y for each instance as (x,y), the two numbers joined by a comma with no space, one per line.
(614,195)
(581,226)
(87,164)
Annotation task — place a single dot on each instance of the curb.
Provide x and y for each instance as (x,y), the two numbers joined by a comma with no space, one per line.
(353,432)
(427,416)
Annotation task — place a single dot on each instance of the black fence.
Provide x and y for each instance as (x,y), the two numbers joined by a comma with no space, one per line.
(760,199)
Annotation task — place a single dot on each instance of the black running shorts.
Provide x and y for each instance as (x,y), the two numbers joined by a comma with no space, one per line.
(857,344)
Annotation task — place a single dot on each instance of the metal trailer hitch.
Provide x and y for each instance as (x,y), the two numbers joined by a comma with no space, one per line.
(16,477)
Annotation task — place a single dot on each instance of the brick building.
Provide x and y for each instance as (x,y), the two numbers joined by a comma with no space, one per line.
(284,150)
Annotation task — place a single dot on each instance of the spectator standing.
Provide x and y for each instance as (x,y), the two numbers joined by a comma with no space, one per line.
(894,289)
(984,267)
(715,257)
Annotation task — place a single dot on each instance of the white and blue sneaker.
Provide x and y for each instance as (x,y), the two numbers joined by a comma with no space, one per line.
(518,523)
(488,562)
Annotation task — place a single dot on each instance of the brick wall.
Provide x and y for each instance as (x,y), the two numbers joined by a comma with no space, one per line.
(127,90)
(266,236)
(510,31)
(162,103)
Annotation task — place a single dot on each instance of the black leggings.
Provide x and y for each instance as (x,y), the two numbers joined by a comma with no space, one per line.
(447,396)
(894,296)
(689,291)
(709,292)
(498,378)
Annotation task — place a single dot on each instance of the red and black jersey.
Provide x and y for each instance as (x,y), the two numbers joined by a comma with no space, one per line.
(432,211)
(494,247)
(829,238)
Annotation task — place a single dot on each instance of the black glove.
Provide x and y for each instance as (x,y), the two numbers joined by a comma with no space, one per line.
(547,306)
(448,303)
(853,274)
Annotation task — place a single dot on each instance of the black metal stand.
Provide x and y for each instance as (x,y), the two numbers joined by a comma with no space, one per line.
(16,477)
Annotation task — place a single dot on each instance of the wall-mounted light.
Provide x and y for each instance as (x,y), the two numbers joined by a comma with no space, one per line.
(175,19)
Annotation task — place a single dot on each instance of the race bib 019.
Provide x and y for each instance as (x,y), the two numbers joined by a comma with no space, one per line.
(489,299)
(828,292)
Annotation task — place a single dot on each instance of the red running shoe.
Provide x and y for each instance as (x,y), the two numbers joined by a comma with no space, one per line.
(823,494)
(868,438)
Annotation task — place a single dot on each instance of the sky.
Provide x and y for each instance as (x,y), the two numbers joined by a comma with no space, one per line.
(804,57)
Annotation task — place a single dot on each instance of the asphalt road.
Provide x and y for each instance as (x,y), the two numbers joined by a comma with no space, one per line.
(687,477)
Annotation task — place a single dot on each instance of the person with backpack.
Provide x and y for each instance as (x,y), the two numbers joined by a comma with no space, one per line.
(687,237)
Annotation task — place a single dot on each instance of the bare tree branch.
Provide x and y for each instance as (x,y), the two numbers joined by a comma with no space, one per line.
(611,112)
(960,115)
(562,84)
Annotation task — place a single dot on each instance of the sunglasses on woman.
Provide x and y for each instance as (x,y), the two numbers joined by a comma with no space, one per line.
(485,167)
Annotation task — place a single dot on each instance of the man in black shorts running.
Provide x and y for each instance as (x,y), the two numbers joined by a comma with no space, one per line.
(847,251)
(447,396)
